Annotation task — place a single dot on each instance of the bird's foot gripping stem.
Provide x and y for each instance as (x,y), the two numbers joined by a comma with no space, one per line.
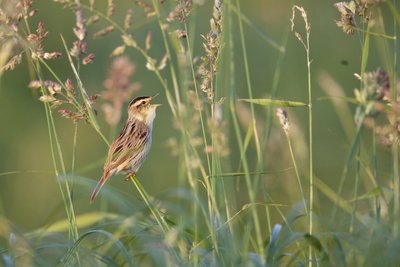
(131,174)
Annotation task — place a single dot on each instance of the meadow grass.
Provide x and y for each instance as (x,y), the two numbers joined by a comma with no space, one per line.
(221,141)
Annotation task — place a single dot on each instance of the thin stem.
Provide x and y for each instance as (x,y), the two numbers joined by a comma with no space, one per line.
(306,45)
(310,129)
(251,187)
(203,126)
(355,192)
(395,149)
(375,174)
(296,171)
(156,213)
(74,146)
(274,91)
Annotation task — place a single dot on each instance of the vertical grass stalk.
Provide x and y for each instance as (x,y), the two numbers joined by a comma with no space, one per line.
(395,152)
(306,45)
(251,187)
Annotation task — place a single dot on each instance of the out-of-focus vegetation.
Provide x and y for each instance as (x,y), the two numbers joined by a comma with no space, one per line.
(276,145)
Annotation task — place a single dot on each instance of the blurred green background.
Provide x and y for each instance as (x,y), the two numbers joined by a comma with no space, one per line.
(30,198)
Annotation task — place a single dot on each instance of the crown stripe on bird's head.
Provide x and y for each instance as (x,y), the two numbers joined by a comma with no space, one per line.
(142,97)
(137,99)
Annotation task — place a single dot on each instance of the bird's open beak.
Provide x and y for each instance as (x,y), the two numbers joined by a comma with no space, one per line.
(153,96)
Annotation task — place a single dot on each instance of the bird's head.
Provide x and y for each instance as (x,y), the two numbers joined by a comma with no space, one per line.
(141,109)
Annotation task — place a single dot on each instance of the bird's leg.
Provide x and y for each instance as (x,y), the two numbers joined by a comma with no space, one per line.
(128,177)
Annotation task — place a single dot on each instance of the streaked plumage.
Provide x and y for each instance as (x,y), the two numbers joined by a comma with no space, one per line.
(129,150)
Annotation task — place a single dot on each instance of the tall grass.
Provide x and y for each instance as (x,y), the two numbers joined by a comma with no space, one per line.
(222,211)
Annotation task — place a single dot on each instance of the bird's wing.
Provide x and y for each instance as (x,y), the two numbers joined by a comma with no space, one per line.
(129,143)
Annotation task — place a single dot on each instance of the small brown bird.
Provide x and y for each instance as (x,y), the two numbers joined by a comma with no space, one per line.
(129,150)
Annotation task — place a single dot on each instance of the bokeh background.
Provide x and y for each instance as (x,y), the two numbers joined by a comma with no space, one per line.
(29,194)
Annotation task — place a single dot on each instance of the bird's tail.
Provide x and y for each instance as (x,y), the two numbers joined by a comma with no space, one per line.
(99,185)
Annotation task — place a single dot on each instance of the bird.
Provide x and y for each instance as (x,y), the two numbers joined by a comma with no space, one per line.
(129,150)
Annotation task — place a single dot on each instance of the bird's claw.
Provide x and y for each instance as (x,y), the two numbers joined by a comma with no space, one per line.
(128,177)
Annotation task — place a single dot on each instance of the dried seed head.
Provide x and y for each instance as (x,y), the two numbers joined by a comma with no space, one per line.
(33,39)
(69,86)
(151,64)
(151,14)
(208,68)
(32,12)
(180,12)
(142,4)
(93,99)
(129,41)
(307,26)
(36,39)
(92,19)
(103,32)
(148,41)
(47,98)
(88,59)
(80,29)
(128,19)
(163,62)
(146,8)
(348,12)
(110,8)
(181,33)
(41,30)
(52,55)
(52,87)
(78,48)
(383,84)
(12,63)
(376,85)
(35,84)
(74,116)
(347,24)
(119,50)
(26,4)
(283,119)
(56,104)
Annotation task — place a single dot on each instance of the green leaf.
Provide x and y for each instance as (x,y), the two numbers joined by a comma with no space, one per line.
(394,11)
(313,241)
(272,249)
(67,259)
(317,245)
(274,102)
(83,221)
(365,52)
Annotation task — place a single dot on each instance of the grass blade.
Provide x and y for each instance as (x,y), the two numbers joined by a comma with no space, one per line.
(274,102)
